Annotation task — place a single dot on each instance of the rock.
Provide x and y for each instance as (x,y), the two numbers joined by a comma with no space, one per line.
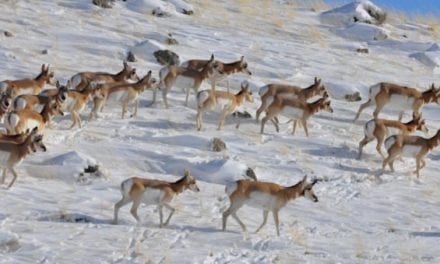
(355,97)
(131,57)
(244,114)
(170,40)
(45,51)
(363,50)
(166,57)
(91,168)
(103,3)
(187,12)
(8,34)
(218,145)
(251,174)
(159,13)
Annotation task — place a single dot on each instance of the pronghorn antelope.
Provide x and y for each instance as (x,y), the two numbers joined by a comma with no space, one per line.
(12,154)
(76,101)
(124,94)
(294,109)
(80,81)
(28,86)
(268,196)
(19,121)
(379,129)
(226,102)
(268,91)
(37,102)
(150,191)
(227,69)
(410,146)
(188,78)
(401,98)
(5,103)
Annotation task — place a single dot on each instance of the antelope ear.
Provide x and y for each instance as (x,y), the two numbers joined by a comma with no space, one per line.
(43,67)
(149,74)
(242,58)
(57,84)
(125,64)
(316,79)
(212,57)
(186,173)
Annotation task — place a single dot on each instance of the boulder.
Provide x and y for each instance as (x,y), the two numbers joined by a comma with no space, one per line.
(166,57)
(218,145)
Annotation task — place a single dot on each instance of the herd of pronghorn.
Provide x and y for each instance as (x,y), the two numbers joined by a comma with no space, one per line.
(26,108)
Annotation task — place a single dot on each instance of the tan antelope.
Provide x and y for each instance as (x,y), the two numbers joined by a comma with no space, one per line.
(37,102)
(81,80)
(12,153)
(295,109)
(225,102)
(409,146)
(29,86)
(124,94)
(153,192)
(268,91)
(379,129)
(76,101)
(268,196)
(187,78)
(399,97)
(239,66)
(19,121)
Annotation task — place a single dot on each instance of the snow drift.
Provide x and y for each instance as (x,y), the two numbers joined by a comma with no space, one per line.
(363,11)
(160,7)
(357,21)
(430,58)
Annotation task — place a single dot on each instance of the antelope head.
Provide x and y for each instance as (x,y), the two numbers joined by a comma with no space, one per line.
(190,182)
(244,66)
(319,87)
(49,76)
(130,72)
(247,92)
(307,189)
(421,124)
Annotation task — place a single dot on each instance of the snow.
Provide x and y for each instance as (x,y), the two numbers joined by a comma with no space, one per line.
(54,215)
(430,58)
(356,11)
(145,49)
(362,32)
(164,7)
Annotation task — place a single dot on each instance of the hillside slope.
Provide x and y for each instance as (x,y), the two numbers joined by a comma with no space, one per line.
(51,215)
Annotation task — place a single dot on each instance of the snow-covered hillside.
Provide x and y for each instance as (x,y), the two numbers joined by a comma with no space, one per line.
(54,215)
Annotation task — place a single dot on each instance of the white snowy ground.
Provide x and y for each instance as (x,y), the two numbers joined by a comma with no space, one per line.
(50,216)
